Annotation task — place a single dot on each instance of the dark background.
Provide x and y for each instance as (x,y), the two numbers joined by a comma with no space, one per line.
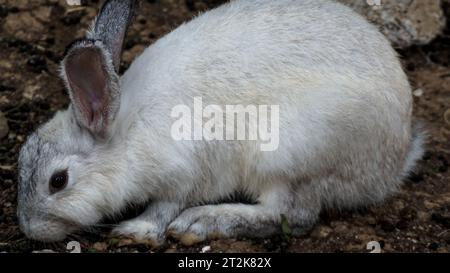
(33,36)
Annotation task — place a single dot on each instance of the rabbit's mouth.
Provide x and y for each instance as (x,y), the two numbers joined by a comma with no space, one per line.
(45,231)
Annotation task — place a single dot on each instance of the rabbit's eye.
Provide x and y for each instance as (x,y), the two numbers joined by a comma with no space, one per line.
(58,181)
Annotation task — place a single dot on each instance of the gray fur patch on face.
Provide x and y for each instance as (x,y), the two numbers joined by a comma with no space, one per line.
(48,150)
(52,140)
(34,155)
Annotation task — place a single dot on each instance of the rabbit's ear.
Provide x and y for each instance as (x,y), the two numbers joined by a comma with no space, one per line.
(111,26)
(93,85)
(90,68)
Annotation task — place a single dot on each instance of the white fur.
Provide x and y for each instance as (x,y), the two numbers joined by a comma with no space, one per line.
(345,124)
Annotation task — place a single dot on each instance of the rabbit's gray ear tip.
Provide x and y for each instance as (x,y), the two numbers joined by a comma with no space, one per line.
(132,4)
(128,7)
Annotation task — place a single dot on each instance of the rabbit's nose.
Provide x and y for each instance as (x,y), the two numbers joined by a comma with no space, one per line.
(41,230)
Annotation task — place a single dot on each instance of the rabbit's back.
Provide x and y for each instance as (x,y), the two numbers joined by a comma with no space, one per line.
(267,50)
(345,103)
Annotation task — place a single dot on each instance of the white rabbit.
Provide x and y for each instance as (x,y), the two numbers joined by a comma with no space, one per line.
(345,133)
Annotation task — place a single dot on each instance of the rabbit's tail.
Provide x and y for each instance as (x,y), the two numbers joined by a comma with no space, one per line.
(416,149)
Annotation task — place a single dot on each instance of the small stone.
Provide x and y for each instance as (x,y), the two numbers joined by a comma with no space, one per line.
(171,250)
(4,128)
(8,168)
(12,136)
(73,2)
(30,91)
(404,22)
(399,205)
(321,232)
(100,246)
(206,249)
(20,138)
(447,116)
(5,64)
(125,242)
(44,251)
(418,92)
(339,227)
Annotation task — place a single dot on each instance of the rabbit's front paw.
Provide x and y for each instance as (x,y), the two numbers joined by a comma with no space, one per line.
(140,231)
(196,225)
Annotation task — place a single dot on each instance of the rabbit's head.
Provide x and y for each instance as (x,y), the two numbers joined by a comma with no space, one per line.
(57,192)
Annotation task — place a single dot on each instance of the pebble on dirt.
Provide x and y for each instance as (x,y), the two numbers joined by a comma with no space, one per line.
(405,22)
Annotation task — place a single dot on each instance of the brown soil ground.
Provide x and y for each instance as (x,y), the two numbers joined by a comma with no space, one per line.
(33,36)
